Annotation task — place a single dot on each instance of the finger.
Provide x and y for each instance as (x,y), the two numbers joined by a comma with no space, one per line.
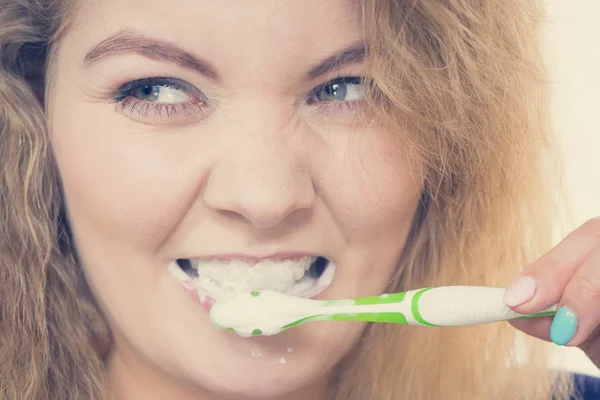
(537,327)
(579,308)
(542,283)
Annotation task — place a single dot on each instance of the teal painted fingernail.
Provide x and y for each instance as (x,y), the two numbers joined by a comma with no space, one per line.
(563,326)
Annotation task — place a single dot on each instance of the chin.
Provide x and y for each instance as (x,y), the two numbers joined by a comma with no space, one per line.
(275,386)
(265,374)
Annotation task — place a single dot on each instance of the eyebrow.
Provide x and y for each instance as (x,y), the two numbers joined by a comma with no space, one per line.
(353,54)
(132,42)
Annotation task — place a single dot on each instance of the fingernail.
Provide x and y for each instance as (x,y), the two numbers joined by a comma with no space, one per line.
(563,326)
(521,291)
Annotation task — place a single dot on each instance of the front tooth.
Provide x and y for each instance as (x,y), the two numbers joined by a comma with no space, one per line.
(284,272)
(236,273)
(263,273)
(238,276)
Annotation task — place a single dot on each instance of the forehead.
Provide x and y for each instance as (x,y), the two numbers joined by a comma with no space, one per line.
(251,33)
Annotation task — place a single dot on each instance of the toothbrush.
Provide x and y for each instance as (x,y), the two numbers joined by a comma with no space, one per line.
(268,313)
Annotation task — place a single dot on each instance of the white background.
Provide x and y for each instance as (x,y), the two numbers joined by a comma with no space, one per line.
(573,50)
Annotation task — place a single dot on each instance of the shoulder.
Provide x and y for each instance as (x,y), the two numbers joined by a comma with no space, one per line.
(586,387)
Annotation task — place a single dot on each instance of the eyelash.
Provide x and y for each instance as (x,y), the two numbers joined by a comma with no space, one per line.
(125,102)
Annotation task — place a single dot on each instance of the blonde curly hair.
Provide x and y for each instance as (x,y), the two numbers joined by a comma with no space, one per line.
(463,79)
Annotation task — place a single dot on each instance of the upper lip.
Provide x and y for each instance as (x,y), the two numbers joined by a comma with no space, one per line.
(255,259)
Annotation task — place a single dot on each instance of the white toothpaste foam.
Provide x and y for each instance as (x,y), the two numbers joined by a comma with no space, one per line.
(237,276)
(241,279)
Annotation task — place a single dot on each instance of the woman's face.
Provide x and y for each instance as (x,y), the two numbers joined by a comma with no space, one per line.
(219,134)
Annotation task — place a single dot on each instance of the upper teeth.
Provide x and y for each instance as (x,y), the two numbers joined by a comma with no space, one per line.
(239,275)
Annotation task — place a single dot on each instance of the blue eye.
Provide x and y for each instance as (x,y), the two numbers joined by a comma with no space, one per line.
(158,90)
(159,97)
(160,94)
(345,89)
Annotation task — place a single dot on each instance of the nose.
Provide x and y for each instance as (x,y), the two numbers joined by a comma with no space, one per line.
(262,180)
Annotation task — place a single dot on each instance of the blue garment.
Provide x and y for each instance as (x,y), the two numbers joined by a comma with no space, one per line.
(586,387)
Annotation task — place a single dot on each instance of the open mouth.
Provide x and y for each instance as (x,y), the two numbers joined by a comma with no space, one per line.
(302,276)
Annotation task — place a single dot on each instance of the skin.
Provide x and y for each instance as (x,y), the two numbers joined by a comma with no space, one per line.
(258,171)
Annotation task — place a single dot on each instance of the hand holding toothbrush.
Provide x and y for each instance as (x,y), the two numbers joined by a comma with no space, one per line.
(568,275)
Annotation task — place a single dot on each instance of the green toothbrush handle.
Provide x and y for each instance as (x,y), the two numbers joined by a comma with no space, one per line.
(387,308)
(440,306)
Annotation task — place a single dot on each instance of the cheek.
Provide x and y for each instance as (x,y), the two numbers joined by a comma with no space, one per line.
(373,189)
(133,186)
(374,185)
